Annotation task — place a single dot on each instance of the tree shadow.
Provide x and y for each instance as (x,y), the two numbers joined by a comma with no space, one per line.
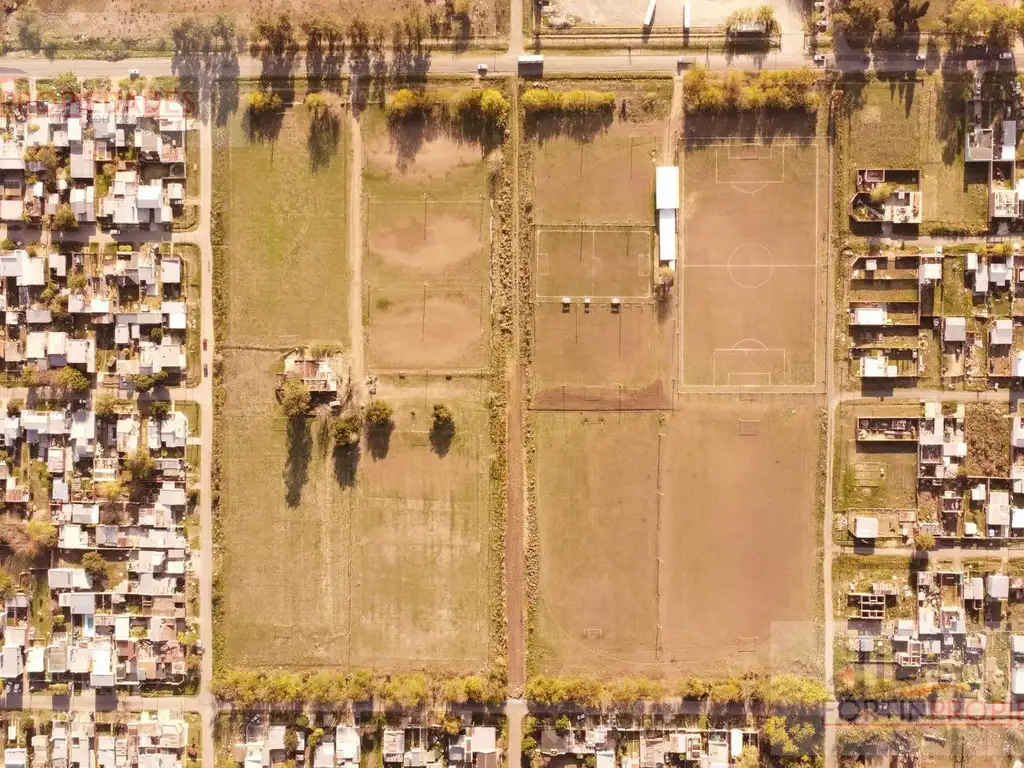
(296,469)
(378,439)
(346,464)
(580,127)
(323,139)
(441,436)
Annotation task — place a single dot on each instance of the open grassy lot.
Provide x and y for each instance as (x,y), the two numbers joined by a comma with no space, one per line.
(333,560)
(583,261)
(987,430)
(874,475)
(427,257)
(751,276)
(918,125)
(643,525)
(286,234)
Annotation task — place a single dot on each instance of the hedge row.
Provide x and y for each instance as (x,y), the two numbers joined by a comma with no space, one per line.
(704,91)
(577,101)
(447,103)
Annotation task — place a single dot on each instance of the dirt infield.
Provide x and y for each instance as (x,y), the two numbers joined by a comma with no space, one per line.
(594,262)
(427,258)
(600,359)
(417,329)
(752,281)
(726,566)
(608,180)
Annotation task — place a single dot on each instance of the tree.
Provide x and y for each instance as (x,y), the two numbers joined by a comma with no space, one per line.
(6,585)
(294,397)
(315,103)
(664,279)
(346,430)
(263,101)
(67,84)
(30,32)
(378,414)
(144,382)
(141,465)
(105,406)
(14,406)
(159,409)
(291,740)
(924,541)
(95,566)
(494,105)
(42,532)
(765,15)
(71,379)
(443,417)
(857,19)
(880,193)
(65,218)
(966,20)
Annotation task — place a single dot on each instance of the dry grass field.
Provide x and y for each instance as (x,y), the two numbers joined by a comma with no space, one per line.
(726,566)
(286,231)
(752,265)
(918,125)
(377,558)
(427,256)
(329,563)
(584,261)
(607,180)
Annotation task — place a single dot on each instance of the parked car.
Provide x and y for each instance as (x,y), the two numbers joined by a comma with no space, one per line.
(481,69)
(206,370)
(819,59)
(204,344)
(133,73)
(921,57)
(1006,55)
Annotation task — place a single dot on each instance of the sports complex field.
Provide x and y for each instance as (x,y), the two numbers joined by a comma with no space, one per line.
(752,266)
(676,565)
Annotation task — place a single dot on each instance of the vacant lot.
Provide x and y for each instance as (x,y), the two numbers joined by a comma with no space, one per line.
(606,180)
(428,234)
(331,560)
(286,235)
(874,475)
(919,125)
(726,568)
(987,430)
(751,276)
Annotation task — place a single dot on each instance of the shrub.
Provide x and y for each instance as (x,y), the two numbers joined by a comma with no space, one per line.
(574,102)
(924,541)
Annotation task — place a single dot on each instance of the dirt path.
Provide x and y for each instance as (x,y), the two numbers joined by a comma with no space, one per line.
(516,499)
(675,124)
(355,258)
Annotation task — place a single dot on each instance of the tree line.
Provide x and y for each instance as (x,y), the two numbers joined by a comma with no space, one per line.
(448,104)
(704,91)
(965,21)
(537,101)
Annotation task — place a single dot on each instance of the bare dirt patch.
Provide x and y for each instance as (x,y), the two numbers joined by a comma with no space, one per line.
(442,330)
(431,239)
(434,159)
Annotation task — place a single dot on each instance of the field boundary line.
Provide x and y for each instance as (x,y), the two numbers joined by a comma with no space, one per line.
(746,352)
(762,182)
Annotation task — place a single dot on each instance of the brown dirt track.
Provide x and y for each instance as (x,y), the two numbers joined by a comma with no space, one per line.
(736,545)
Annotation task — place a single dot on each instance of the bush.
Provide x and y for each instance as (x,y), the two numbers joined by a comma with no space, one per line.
(295,398)
(924,541)
(378,414)
(65,218)
(14,406)
(574,102)
(264,101)
(95,566)
(346,430)
(750,91)
(443,417)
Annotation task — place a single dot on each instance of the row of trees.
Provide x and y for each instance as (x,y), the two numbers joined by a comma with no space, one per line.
(250,688)
(966,21)
(763,15)
(748,91)
(449,104)
(538,101)
(589,692)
